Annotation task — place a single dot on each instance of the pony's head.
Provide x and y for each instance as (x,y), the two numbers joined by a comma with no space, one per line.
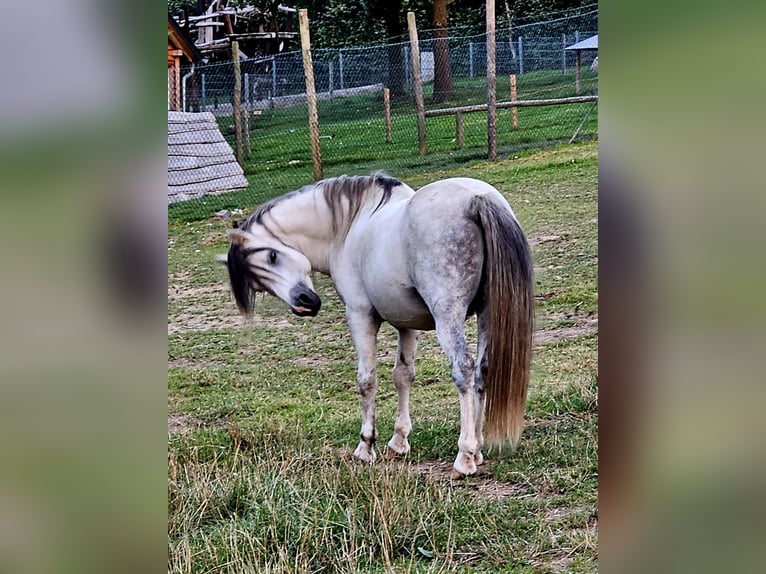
(260,263)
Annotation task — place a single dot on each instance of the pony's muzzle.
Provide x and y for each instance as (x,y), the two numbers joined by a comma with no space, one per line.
(304,302)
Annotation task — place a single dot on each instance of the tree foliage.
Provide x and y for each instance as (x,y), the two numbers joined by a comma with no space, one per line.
(337,23)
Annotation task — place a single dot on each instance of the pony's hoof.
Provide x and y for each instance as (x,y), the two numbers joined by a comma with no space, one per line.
(391,453)
(464,465)
(397,448)
(479,458)
(364,453)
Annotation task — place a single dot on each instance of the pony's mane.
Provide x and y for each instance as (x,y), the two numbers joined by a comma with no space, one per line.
(345,196)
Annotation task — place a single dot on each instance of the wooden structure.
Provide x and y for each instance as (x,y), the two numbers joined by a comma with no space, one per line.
(200,161)
(180,49)
(258,29)
(587,44)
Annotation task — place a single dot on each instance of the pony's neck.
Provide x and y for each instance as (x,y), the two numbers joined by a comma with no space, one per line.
(304,222)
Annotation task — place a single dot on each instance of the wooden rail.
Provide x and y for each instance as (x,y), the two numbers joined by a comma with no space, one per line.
(511,104)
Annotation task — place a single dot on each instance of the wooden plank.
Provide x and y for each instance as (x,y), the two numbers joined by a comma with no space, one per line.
(184,117)
(181,162)
(518,103)
(203,137)
(201,174)
(191,127)
(459,135)
(231,182)
(206,150)
(265,35)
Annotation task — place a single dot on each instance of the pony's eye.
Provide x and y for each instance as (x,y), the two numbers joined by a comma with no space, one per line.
(273,257)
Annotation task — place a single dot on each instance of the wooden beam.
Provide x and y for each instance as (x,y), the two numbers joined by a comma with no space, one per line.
(514,110)
(311,94)
(387,113)
(518,103)
(263,36)
(491,78)
(417,82)
(237,101)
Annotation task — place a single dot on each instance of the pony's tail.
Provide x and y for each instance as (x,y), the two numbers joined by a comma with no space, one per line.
(509,291)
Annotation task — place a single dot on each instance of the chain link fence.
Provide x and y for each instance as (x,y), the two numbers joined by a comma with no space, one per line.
(354,136)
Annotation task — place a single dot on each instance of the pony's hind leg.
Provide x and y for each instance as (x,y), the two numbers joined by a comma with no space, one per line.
(364,328)
(451,335)
(404,375)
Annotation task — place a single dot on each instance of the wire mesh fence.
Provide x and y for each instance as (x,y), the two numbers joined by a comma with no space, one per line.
(350,84)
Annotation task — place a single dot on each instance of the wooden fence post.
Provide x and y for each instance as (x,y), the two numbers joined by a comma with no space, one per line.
(459,138)
(311,95)
(514,97)
(387,112)
(246,117)
(491,78)
(237,101)
(417,83)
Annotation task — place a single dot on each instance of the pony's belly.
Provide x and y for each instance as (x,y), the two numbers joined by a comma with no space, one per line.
(406,311)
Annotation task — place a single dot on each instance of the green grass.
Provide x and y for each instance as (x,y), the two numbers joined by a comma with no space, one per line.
(263,416)
(280,158)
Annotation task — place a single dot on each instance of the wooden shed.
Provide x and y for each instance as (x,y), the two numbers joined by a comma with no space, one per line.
(180,49)
(589,44)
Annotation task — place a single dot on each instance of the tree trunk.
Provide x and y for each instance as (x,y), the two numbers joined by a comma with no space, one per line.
(443,89)
(394,31)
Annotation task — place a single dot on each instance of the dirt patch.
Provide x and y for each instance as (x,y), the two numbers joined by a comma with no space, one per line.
(202,321)
(558,563)
(565,333)
(540,239)
(180,424)
(180,362)
(480,484)
(180,291)
(216,237)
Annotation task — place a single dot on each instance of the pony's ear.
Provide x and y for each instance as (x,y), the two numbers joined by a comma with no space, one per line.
(238,237)
(222,258)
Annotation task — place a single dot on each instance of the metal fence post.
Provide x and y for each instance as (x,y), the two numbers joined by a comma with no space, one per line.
(331,78)
(203,89)
(577,36)
(247,89)
(273,78)
(470,59)
(563,53)
(340,66)
(521,55)
(407,69)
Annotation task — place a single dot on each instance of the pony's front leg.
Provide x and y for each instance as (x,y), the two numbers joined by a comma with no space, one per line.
(364,326)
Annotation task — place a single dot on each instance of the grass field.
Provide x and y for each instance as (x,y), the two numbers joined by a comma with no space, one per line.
(353,137)
(263,416)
